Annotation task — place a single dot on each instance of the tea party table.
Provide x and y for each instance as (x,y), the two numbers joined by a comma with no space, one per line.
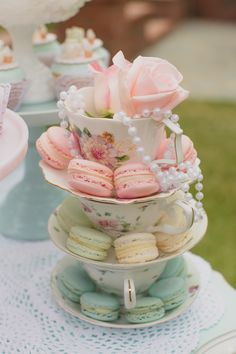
(32,323)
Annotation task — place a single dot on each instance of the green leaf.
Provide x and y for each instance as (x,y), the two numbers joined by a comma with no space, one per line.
(87,132)
(122,158)
(88,114)
(108,115)
(107,214)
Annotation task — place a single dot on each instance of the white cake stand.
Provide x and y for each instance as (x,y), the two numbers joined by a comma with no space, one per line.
(25,200)
(13,143)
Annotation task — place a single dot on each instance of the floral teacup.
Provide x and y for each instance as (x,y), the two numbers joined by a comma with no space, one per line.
(116,219)
(126,281)
(107,140)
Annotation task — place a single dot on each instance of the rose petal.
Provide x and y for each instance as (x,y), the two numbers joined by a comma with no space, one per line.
(120,61)
(102,93)
(164,101)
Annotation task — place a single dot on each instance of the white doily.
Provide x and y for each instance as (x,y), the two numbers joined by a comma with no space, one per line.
(32,323)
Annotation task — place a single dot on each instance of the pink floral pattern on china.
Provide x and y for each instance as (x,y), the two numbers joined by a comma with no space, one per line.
(113,222)
(103,148)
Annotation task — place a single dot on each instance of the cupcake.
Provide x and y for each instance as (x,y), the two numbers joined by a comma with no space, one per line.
(97,47)
(72,66)
(11,73)
(46,46)
(4,97)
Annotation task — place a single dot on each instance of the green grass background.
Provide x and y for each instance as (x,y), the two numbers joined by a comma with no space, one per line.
(212,127)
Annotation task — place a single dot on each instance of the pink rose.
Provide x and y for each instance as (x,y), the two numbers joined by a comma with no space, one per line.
(147,83)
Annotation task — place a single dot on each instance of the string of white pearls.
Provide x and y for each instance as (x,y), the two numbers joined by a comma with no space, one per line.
(173,177)
(75,102)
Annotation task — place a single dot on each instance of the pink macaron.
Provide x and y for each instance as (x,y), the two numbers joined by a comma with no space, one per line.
(190,154)
(53,147)
(134,180)
(90,177)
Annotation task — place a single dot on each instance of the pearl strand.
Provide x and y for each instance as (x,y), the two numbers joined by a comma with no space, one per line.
(75,102)
(174,178)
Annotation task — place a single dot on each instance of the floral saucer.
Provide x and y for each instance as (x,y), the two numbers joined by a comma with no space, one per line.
(193,286)
(59,238)
(58,178)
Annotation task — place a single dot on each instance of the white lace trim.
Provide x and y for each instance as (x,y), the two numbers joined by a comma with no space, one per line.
(32,323)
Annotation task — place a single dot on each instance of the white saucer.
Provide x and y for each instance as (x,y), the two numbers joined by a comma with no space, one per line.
(59,238)
(59,178)
(223,344)
(193,285)
(40,114)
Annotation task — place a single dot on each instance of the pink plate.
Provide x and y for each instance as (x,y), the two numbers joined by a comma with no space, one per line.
(13,143)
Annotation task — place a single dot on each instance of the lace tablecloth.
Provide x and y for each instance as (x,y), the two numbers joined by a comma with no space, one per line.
(31,322)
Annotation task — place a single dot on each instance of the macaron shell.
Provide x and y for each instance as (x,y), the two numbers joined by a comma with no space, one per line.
(172,291)
(57,137)
(90,177)
(92,237)
(92,167)
(74,297)
(147,309)
(48,154)
(73,282)
(88,243)
(136,248)
(135,180)
(189,152)
(86,252)
(131,238)
(71,214)
(53,147)
(100,306)
(141,256)
(91,186)
(171,243)
(129,169)
(175,267)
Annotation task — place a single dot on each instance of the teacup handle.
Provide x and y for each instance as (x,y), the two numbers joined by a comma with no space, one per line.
(129,294)
(178,144)
(189,213)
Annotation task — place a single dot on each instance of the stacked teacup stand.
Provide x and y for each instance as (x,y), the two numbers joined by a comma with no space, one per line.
(142,137)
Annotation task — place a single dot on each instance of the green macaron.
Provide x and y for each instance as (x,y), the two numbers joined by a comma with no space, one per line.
(73,281)
(70,214)
(175,267)
(88,243)
(147,309)
(172,291)
(100,306)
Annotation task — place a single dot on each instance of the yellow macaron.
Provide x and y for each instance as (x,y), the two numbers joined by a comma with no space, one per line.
(136,248)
